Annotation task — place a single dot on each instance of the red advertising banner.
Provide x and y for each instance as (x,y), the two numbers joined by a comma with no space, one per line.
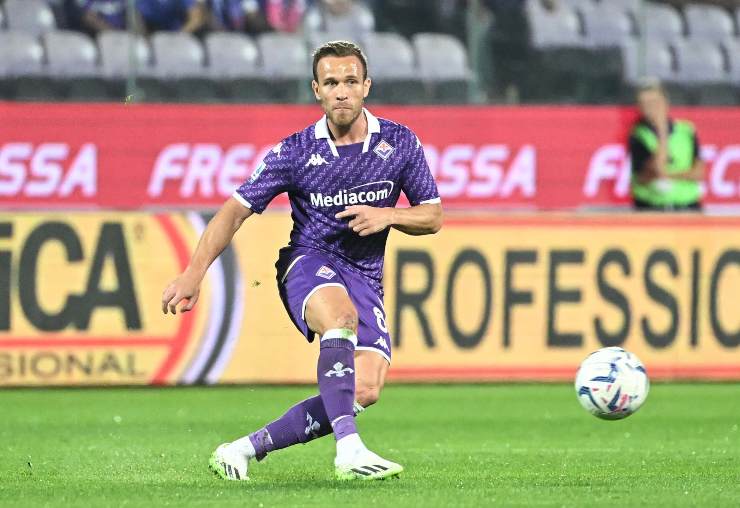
(164,156)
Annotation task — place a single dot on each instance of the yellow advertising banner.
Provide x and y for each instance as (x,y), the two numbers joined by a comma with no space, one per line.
(78,299)
(529,297)
(488,298)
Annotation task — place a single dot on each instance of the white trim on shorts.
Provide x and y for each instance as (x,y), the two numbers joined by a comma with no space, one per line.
(432,201)
(376,350)
(290,267)
(316,288)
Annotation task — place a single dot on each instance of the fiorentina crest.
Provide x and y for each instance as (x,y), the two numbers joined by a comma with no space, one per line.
(325,272)
(383,149)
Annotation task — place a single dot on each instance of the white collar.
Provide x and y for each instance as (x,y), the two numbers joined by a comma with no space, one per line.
(321,131)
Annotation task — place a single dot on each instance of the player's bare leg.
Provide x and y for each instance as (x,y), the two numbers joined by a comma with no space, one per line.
(330,313)
(371,369)
(308,419)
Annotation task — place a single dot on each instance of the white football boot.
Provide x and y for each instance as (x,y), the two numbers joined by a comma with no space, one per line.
(365,465)
(228,464)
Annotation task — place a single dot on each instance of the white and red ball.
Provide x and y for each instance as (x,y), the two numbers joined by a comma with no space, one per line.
(612,383)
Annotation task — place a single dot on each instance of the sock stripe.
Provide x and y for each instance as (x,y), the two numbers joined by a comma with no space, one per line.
(341,334)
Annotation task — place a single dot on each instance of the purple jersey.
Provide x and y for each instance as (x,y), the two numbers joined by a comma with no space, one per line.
(320,183)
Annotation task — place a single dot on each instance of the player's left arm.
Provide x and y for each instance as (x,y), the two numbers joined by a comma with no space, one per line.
(423,219)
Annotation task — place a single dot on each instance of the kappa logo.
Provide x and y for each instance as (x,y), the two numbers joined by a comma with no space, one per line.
(382,343)
(313,427)
(316,160)
(383,149)
(326,272)
(339,370)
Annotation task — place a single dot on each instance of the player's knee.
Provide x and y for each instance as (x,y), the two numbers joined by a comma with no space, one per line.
(367,395)
(346,318)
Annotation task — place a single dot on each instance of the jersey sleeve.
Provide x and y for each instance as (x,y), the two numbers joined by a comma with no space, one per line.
(417,182)
(272,177)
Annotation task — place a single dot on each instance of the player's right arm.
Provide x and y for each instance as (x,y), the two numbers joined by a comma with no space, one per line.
(218,234)
(271,177)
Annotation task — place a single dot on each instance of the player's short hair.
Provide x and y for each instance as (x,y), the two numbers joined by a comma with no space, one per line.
(650,84)
(340,49)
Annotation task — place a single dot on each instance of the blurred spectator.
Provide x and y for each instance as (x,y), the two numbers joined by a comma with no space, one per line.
(346,17)
(66,13)
(408,17)
(666,168)
(284,15)
(238,16)
(256,16)
(100,15)
(188,16)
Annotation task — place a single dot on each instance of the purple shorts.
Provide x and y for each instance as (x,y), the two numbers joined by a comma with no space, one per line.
(308,273)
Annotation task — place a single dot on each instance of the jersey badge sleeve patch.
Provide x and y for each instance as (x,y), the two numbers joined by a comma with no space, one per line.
(257,172)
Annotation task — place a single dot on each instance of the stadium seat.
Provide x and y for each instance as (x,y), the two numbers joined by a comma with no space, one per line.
(559,27)
(709,23)
(70,54)
(393,69)
(390,56)
(179,66)
(660,22)
(357,23)
(283,56)
(115,55)
(234,62)
(606,25)
(700,62)
(33,16)
(285,63)
(656,61)
(177,55)
(443,64)
(22,69)
(562,51)
(732,49)
(73,64)
(231,55)
(20,55)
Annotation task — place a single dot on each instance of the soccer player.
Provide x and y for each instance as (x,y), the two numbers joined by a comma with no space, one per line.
(343,176)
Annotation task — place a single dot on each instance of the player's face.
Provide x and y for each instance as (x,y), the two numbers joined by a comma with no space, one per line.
(340,88)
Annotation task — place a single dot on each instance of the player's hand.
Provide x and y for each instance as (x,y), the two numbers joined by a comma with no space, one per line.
(367,220)
(185,288)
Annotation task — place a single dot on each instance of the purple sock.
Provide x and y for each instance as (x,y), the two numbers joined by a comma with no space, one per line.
(303,422)
(336,374)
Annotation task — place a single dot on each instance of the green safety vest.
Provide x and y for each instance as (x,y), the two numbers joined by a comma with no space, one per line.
(680,160)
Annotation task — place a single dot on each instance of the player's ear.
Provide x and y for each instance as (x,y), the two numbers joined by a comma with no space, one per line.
(368,82)
(315,88)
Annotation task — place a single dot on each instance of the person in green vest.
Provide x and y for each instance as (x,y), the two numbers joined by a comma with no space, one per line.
(666,168)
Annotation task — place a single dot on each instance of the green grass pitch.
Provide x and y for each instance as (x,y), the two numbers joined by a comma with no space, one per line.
(471,445)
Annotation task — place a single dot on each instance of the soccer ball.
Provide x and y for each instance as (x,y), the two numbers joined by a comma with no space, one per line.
(611,383)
